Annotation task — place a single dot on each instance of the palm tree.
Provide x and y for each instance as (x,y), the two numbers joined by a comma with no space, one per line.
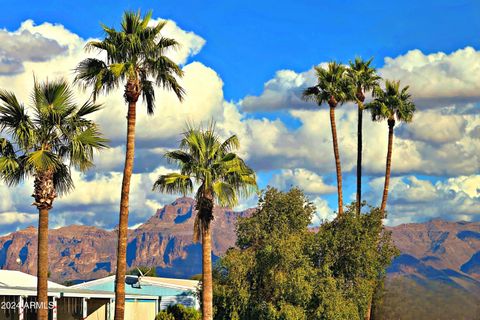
(392,104)
(222,177)
(331,88)
(44,145)
(362,79)
(135,55)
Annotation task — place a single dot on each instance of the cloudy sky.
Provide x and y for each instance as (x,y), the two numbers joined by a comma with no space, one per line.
(245,64)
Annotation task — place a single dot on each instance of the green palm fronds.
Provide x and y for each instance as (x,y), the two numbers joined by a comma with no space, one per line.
(54,137)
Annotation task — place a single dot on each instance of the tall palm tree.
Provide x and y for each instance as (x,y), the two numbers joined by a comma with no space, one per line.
(362,79)
(392,104)
(135,56)
(331,88)
(222,177)
(44,145)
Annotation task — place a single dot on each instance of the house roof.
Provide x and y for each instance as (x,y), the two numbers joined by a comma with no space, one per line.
(12,278)
(182,284)
(16,283)
(69,292)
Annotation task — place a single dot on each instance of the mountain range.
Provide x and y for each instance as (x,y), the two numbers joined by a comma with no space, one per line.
(438,250)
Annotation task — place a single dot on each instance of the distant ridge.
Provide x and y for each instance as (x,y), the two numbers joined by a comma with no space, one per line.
(79,252)
(437,250)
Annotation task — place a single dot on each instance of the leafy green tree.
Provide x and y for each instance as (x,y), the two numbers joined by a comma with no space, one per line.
(392,104)
(222,176)
(362,78)
(270,274)
(281,269)
(331,88)
(135,56)
(356,250)
(44,144)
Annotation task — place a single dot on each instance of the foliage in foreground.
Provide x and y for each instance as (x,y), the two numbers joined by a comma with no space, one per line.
(178,312)
(282,270)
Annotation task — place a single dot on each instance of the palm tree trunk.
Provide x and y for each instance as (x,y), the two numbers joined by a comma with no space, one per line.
(391,124)
(368,316)
(123,224)
(337,161)
(207,282)
(359,157)
(42,265)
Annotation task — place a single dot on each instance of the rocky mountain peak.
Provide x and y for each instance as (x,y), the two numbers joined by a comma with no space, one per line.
(437,249)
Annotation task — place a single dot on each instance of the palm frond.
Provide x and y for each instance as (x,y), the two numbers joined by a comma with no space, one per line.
(88,108)
(42,160)
(135,52)
(96,74)
(331,83)
(148,95)
(392,102)
(211,163)
(15,120)
(82,145)
(62,180)
(174,183)
(56,136)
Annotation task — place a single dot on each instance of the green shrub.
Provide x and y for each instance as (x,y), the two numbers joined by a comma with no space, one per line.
(164,315)
(178,312)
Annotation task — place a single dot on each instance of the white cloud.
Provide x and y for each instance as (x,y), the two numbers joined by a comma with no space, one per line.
(95,199)
(25,45)
(412,199)
(284,91)
(441,141)
(436,80)
(323,212)
(190,43)
(470,185)
(309,181)
(9,218)
(437,75)
(448,127)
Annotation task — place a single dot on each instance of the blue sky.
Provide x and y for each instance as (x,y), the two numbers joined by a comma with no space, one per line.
(246,62)
(247,41)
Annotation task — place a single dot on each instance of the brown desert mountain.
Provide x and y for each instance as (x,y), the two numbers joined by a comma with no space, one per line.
(436,250)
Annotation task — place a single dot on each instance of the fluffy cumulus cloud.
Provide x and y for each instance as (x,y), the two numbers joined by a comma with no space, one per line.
(442,141)
(438,76)
(12,221)
(25,45)
(190,43)
(324,211)
(281,92)
(412,199)
(436,80)
(310,182)
(95,199)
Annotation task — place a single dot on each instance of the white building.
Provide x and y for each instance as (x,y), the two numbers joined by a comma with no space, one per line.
(18,296)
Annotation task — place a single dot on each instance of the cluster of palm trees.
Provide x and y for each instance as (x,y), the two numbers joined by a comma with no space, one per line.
(56,135)
(337,84)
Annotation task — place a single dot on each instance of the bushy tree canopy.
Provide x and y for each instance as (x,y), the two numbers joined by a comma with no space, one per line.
(281,269)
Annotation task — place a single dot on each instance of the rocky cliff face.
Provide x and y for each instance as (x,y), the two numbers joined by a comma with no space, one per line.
(436,250)
(439,250)
(164,241)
